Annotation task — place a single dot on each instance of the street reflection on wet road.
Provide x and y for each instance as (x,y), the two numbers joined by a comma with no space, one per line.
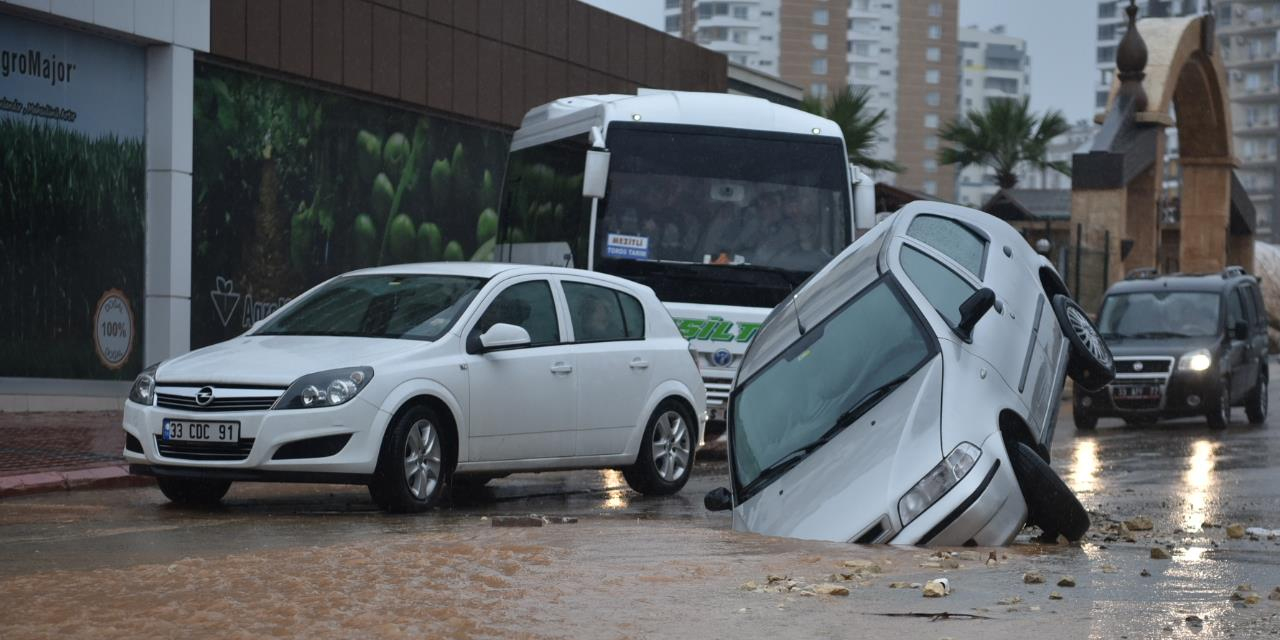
(1083,476)
(1198,484)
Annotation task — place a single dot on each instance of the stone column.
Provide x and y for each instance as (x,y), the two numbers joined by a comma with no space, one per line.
(1142,214)
(170,75)
(1099,210)
(1206,211)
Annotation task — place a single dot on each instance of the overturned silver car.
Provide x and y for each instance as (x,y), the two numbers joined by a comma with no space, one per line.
(908,392)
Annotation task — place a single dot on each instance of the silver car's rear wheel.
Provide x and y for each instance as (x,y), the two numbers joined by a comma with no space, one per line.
(665,459)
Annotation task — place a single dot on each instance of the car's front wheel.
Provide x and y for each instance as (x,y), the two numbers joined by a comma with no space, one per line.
(193,492)
(1089,364)
(1219,415)
(1256,407)
(666,453)
(1051,505)
(411,464)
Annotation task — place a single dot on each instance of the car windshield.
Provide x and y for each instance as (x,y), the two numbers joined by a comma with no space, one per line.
(414,307)
(1159,314)
(823,382)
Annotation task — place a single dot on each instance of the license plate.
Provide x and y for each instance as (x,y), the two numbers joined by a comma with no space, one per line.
(1137,392)
(193,431)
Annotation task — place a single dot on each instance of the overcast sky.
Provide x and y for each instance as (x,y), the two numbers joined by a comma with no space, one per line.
(1061,39)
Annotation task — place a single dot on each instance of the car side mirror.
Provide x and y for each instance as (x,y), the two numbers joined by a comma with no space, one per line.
(972,310)
(718,499)
(1241,330)
(504,336)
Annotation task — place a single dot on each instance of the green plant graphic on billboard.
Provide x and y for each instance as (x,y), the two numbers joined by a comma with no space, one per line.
(294,185)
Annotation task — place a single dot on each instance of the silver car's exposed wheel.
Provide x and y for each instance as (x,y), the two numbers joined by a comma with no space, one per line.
(1090,364)
(412,463)
(666,454)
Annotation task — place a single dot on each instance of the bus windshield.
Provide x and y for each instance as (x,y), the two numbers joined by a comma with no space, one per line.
(722,197)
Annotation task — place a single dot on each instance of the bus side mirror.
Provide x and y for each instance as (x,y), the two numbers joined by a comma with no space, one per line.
(596,173)
(864,199)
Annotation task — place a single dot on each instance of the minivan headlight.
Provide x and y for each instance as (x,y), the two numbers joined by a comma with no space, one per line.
(938,481)
(143,391)
(1198,360)
(325,389)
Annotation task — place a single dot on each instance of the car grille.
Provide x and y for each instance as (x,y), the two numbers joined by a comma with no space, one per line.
(1129,403)
(224,398)
(228,451)
(1143,365)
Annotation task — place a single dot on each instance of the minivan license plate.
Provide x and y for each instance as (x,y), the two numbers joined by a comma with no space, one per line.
(190,431)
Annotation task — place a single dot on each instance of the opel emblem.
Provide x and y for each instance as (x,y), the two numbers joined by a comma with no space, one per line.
(204,396)
(1137,366)
(721,358)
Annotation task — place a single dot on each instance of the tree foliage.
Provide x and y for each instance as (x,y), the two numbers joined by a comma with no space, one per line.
(1004,136)
(851,111)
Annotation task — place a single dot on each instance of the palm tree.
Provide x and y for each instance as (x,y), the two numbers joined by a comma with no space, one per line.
(849,110)
(1003,137)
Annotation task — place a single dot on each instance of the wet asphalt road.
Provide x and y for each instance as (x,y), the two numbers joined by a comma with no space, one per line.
(286,560)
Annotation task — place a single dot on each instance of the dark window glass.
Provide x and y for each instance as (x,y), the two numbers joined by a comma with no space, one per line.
(633,315)
(528,305)
(1260,305)
(951,238)
(417,307)
(944,288)
(544,218)
(596,313)
(1235,310)
(1160,314)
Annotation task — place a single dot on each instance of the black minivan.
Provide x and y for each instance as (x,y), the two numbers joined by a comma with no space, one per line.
(1184,345)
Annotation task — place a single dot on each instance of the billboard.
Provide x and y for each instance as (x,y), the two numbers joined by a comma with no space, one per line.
(293,185)
(72,203)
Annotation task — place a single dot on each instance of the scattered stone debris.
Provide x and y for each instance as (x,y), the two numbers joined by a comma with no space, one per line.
(1108,568)
(1138,523)
(517,521)
(1010,600)
(831,590)
(1259,532)
(1067,581)
(1275,594)
(1158,553)
(937,588)
(861,566)
(1194,620)
(1032,577)
(904,585)
(1054,595)
(991,559)
(1235,531)
(1244,593)
(1144,573)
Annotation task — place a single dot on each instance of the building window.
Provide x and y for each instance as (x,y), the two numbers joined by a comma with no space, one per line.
(740,12)
(673,4)
(860,49)
(862,25)
(930,166)
(935,9)
(739,36)
(818,67)
(886,27)
(766,38)
(933,54)
(862,71)
(932,76)
(931,120)
(1107,10)
(933,98)
(861,5)
(766,14)
(818,89)
(935,32)
(1101,101)
(931,142)
(886,72)
(931,187)
(821,17)
(673,23)
(1106,76)
(1106,55)
(820,41)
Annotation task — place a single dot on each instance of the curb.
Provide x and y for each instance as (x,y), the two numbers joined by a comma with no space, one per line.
(94,478)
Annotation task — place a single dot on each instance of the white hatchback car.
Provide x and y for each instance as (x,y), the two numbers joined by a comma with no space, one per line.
(409,378)
(908,392)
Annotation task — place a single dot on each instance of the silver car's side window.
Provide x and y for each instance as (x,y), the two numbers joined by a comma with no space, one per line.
(528,305)
(951,238)
(944,288)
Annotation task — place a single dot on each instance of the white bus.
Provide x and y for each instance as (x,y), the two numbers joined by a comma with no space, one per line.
(722,204)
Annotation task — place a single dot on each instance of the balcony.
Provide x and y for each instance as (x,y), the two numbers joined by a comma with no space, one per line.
(1258,160)
(1251,19)
(1255,94)
(1257,126)
(1241,57)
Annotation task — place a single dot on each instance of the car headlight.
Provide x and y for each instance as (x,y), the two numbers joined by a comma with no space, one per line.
(325,389)
(1198,360)
(938,481)
(143,391)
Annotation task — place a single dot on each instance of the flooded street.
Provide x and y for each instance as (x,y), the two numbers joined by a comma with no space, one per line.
(322,561)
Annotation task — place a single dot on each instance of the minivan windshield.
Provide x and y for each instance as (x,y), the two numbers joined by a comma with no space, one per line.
(1160,314)
(821,384)
(414,307)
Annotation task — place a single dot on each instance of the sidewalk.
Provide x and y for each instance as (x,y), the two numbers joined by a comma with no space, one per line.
(54,451)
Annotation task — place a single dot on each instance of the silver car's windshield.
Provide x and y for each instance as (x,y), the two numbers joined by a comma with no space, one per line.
(1160,314)
(824,381)
(416,307)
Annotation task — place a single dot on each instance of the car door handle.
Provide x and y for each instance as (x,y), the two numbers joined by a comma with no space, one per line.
(561,368)
(639,363)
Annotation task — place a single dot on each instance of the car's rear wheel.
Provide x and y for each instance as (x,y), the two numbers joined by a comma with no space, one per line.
(666,453)
(1090,364)
(1219,415)
(1256,407)
(193,491)
(412,463)
(1051,505)
(1084,421)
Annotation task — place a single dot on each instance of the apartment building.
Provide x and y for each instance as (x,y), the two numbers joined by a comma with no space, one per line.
(903,52)
(1249,33)
(993,66)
